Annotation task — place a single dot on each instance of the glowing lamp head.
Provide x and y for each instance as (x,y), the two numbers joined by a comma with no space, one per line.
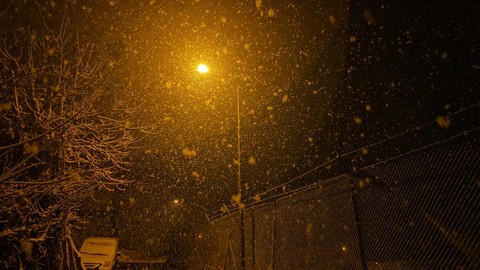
(202,68)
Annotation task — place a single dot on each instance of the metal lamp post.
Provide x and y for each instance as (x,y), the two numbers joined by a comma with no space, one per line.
(202,68)
(239,183)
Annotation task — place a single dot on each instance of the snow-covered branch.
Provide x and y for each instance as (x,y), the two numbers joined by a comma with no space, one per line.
(64,133)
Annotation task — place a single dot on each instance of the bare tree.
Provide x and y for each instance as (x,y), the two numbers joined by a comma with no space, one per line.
(63,134)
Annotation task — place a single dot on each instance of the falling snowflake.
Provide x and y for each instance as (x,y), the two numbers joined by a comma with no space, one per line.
(189,152)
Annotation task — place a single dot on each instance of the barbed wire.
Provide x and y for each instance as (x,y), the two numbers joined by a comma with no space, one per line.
(254,200)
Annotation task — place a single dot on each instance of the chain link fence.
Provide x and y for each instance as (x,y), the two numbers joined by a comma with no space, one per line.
(419,210)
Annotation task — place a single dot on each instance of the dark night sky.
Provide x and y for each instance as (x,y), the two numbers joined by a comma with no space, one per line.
(316,78)
(266,58)
(307,72)
(285,58)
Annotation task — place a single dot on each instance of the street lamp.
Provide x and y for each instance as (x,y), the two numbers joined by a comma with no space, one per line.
(202,68)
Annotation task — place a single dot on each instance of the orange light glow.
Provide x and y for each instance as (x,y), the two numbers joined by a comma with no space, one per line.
(202,68)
